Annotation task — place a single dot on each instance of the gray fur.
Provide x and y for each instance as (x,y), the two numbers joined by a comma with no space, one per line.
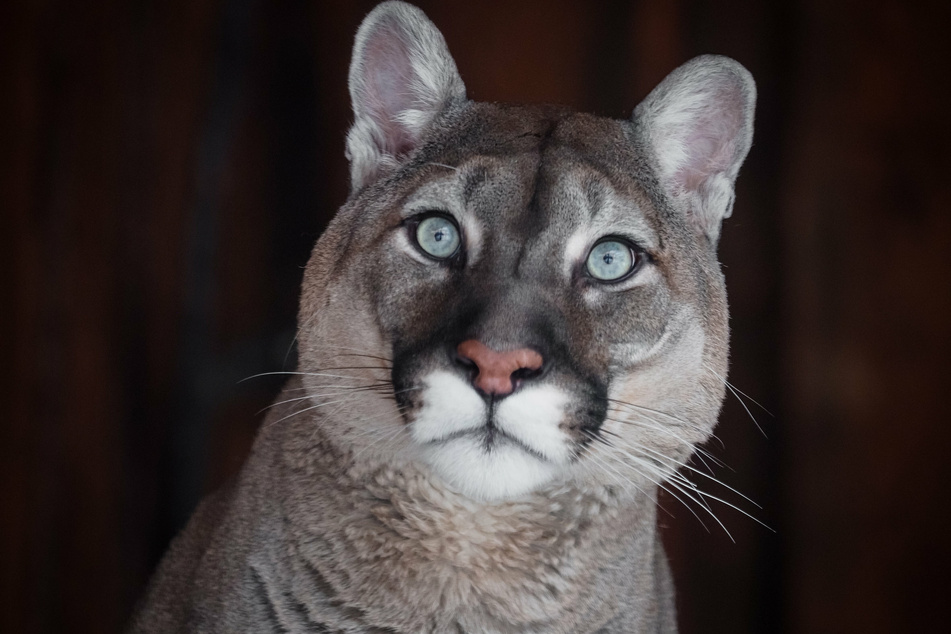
(338,521)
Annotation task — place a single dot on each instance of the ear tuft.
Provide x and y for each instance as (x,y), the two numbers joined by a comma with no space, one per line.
(698,124)
(401,78)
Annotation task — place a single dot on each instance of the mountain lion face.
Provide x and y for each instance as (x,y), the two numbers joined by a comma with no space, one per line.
(522,297)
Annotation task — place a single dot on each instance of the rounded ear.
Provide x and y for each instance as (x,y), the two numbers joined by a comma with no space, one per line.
(698,126)
(401,78)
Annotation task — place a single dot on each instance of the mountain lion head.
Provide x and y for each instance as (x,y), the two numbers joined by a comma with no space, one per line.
(522,297)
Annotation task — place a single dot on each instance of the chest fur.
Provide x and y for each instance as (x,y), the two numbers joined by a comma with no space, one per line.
(390,547)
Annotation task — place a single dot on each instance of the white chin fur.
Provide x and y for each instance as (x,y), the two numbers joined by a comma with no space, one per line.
(500,473)
(530,416)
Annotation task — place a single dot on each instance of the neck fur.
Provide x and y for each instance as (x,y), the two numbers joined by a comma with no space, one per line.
(394,542)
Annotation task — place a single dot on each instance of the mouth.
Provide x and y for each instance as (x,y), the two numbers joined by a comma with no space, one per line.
(489,437)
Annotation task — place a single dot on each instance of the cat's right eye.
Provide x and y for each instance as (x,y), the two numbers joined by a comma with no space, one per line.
(438,236)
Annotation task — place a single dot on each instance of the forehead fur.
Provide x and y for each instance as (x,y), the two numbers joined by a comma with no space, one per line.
(533,145)
(482,129)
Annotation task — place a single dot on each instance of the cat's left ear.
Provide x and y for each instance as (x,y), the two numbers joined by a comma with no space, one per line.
(698,125)
(401,77)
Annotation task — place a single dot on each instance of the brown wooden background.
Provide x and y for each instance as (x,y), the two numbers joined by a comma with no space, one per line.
(166,167)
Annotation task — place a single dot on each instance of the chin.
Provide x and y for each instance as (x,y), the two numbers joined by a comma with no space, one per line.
(490,472)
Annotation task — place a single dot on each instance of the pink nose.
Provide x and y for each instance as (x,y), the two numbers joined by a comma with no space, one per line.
(495,369)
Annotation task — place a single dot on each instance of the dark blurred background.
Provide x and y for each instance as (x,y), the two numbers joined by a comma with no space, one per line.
(167,166)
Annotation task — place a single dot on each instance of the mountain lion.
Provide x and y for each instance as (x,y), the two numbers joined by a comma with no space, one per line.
(511,335)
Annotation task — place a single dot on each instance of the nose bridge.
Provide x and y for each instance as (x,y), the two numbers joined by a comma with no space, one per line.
(516,315)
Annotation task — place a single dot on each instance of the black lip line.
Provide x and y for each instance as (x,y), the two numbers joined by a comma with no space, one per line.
(456,435)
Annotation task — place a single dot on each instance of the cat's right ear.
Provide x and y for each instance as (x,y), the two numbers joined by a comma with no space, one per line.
(401,78)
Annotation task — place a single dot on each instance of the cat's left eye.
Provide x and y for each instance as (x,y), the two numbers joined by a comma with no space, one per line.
(438,236)
(611,260)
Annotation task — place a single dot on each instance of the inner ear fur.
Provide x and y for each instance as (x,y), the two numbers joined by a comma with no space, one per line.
(401,77)
(698,126)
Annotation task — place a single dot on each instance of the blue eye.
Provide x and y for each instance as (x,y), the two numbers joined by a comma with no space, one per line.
(610,260)
(438,236)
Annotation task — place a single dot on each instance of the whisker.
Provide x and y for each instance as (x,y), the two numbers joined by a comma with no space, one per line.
(615,474)
(738,390)
(393,416)
(737,393)
(698,452)
(663,476)
(682,483)
(684,465)
(664,429)
(700,491)
(321,374)
(368,356)
(341,403)
(343,390)
(354,367)
(643,408)
(753,418)
(658,426)
(701,503)
(688,489)
(596,435)
(379,383)
(306,409)
(645,422)
(638,410)
(665,485)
